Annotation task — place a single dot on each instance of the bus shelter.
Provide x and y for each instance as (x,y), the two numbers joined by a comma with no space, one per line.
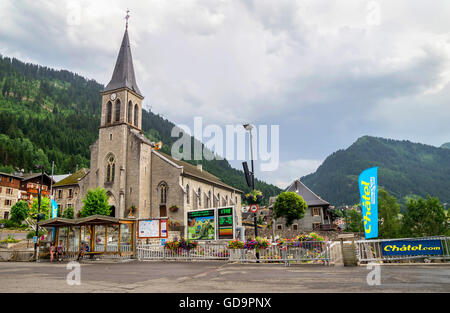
(103,234)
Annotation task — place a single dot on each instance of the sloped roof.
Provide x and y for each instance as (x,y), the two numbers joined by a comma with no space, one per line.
(58,178)
(310,197)
(29,176)
(192,170)
(72,179)
(10,175)
(123,75)
(188,169)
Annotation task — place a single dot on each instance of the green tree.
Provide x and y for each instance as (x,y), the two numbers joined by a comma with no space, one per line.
(19,212)
(289,206)
(388,215)
(353,221)
(69,213)
(45,205)
(424,217)
(95,203)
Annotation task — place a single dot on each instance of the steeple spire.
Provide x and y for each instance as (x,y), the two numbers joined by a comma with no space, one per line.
(127,17)
(123,75)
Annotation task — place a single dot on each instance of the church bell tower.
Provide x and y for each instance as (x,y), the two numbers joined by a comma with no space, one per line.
(121,115)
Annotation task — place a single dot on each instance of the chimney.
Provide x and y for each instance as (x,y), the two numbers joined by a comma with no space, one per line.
(200,167)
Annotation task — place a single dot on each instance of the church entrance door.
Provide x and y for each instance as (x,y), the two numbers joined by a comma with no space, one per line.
(162,211)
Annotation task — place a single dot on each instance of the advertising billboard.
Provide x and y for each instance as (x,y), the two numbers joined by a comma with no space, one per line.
(201,224)
(412,247)
(368,188)
(225,218)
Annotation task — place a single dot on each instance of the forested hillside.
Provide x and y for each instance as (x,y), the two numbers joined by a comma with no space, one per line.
(405,169)
(53,115)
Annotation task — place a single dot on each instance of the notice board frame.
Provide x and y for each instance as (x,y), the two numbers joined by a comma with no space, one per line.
(161,221)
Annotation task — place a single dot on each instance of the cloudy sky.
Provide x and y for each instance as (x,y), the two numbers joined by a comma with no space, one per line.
(327,72)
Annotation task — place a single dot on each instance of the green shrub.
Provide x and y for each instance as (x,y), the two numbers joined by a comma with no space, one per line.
(32,233)
(9,224)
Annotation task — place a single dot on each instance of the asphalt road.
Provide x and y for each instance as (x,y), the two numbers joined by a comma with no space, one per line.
(208,277)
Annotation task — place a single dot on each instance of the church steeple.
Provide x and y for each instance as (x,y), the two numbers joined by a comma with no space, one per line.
(123,75)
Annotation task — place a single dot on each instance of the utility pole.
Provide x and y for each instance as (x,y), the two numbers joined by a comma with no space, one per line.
(38,215)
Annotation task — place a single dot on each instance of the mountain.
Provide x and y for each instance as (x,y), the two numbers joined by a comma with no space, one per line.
(53,115)
(405,169)
(446,145)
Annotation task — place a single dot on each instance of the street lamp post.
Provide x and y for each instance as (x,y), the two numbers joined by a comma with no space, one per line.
(249,128)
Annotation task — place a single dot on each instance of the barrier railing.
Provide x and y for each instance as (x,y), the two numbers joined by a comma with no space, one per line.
(201,252)
(372,250)
(302,252)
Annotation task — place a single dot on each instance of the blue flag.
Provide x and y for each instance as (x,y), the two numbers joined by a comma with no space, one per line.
(54,209)
(368,188)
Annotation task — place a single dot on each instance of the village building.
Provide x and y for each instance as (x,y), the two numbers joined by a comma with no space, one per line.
(9,193)
(30,184)
(140,181)
(66,192)
(317,216)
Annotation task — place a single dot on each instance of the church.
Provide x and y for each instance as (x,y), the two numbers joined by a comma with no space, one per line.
(140,181)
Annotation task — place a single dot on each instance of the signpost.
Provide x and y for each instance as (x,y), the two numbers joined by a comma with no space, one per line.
(254,208)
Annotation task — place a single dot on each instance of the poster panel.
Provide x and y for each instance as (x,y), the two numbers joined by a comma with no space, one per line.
(412,247)
(149,228)
(163,228)
(225,223)
(201,225)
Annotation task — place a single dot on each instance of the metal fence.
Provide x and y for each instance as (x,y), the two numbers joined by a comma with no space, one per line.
(209,251)
(303,252)
(372,250)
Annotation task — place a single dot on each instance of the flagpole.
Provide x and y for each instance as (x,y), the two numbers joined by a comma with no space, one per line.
(51,192)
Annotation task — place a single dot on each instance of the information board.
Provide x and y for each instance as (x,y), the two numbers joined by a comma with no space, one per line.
(201,225)
(225,223)
(154,228)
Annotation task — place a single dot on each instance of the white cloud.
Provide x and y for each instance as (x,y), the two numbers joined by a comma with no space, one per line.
(320,69)
(289,171)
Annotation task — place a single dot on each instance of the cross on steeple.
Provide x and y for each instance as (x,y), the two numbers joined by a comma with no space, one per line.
(127,17)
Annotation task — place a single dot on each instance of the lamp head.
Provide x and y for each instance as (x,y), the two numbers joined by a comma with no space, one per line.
(248,127)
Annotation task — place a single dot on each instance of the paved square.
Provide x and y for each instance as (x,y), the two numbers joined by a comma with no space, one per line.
(135,276)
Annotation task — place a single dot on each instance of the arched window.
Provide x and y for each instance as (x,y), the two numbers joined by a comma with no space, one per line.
(130,111)
(163,193)
(187,194)
(108,112)
(136,115)
(226,200)
(218,199)
(209,199)
(110,169)
(199,196)
(117,110)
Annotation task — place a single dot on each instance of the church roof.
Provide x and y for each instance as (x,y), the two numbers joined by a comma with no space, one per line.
(188,169)
(310,197)
(72,179)
(123,75)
